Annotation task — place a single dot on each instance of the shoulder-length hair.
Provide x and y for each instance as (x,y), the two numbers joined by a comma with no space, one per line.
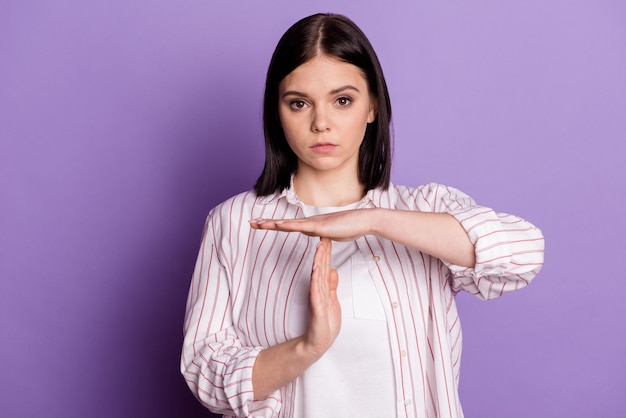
(336,36)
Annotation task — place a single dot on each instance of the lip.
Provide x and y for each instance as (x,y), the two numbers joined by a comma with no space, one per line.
(323,147)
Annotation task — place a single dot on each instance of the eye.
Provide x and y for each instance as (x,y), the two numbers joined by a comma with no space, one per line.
(297,104)
(344,101)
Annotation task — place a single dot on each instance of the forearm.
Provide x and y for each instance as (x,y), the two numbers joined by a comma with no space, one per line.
(278,365)
(436,234)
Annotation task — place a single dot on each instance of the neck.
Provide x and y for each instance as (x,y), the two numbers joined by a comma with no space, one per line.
(327,189)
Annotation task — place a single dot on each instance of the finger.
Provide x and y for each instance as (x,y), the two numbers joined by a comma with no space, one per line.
(326,271)
(325,244)
(314,291)
(286,225)
(325,267)
(318,292)
(329,248)
(264,223)
(318,257)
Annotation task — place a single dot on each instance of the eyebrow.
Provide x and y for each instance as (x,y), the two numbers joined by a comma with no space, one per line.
(332,92)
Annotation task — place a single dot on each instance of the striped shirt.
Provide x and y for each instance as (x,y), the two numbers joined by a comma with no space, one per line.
(248,284)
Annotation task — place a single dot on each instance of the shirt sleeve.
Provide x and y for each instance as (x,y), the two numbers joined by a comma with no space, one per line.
(509,250)
(215,364)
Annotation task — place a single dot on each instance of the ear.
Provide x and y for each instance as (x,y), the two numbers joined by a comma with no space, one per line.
(371,117)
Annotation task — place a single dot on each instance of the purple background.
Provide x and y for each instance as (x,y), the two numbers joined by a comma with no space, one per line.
(122,123)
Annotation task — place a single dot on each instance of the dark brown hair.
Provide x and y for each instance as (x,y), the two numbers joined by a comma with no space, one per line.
(336,36)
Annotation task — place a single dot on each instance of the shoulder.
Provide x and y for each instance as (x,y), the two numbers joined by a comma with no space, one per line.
(241,208)
(232,211)
(236,204)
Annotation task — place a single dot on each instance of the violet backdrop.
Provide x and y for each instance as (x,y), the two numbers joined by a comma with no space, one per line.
(122,123)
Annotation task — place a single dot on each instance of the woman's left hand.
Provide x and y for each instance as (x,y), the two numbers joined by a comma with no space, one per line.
(338,226)
(437,234)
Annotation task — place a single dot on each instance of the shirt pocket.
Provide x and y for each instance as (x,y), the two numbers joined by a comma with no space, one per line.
(366,302)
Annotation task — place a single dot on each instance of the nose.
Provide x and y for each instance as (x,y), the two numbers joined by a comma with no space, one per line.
(320,121)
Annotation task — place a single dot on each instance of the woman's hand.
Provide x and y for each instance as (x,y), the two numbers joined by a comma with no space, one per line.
(338,226)
(325,320)
(437,234)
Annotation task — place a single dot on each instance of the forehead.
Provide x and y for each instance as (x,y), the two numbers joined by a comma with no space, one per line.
(324,72)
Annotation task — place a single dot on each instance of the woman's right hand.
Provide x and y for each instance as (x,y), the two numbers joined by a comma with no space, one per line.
(325,320)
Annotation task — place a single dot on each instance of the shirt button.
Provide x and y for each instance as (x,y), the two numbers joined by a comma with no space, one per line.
(395,305)
(376,258)
(403,353)
(407,402)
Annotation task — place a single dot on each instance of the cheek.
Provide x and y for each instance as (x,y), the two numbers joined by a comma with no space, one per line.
(286,120)
(291,133)
(295,128)
(356,126)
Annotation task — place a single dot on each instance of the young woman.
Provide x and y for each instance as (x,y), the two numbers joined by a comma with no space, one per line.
(326,290)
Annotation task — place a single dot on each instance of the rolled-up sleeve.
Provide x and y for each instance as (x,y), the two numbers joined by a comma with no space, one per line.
(509,250)
(215,364)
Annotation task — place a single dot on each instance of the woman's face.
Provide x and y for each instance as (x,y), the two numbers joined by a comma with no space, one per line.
(324,107)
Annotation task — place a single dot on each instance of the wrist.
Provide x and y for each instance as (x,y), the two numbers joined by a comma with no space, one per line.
(376,221)
(306,352)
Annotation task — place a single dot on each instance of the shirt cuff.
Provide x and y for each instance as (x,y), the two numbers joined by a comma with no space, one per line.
(491,241)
